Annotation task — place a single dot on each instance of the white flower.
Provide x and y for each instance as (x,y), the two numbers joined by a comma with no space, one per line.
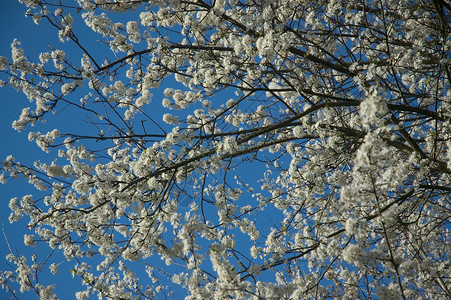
(55,170)
(166,103)
(386,293)
(29,240)
(130,254)
(373,109)
(82,295)
(4,63)
(66,88)
(132,30)
(24,119)
(170,119)
(46,292)
(53,268)
(353,254)
(351,225)
(120,87)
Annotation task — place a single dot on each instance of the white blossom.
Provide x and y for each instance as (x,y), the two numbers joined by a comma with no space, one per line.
(295,150)
(29,240)
(170,119)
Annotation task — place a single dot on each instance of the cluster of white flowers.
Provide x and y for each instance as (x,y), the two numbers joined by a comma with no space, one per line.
(24,119)
(58,57)
(134,34)
(44,140)
(66,27)
(340,122)
(227,145)
(373,110)
(181,99)
(170,119)
(4,63)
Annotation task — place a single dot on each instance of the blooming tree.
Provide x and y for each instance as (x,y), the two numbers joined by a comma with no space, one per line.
(279,149)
